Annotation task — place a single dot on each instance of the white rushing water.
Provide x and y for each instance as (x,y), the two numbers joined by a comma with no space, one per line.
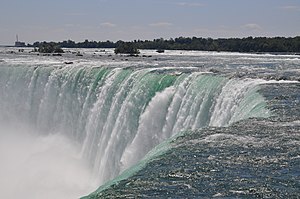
(34,167)
(88,124)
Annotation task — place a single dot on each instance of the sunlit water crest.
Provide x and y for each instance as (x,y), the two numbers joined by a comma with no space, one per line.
(83,124)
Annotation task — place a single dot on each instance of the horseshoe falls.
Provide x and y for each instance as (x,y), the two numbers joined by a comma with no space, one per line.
(160,123)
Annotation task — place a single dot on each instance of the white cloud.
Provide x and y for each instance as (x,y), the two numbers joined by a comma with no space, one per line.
(108,24)
(161,24)
(252,27)
(190,4)
(291,8)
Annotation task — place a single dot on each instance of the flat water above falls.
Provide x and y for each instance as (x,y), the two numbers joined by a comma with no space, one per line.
(115,109)
(254,158)
(238,161)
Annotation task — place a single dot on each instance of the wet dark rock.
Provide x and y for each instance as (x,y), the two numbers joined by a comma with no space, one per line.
(281,78)
(213,70)
(146,55)
(160,51)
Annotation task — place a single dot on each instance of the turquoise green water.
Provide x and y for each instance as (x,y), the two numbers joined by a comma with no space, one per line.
(117,115)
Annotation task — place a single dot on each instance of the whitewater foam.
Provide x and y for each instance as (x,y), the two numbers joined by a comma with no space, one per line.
(34,167)
(116,115)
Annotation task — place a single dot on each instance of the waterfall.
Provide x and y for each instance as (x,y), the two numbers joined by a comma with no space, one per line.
(118,115)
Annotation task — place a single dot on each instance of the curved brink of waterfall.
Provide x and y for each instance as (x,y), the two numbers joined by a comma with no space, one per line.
(118,115)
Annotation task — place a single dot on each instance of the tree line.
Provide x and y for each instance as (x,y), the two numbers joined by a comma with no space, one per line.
(249,44)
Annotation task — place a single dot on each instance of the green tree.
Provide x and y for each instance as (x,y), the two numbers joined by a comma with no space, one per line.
(50,48)
(126,48)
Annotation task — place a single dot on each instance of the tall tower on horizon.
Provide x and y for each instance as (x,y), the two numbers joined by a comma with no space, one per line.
(18,43)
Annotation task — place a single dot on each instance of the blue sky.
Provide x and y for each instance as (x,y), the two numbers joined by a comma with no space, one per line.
(58,20)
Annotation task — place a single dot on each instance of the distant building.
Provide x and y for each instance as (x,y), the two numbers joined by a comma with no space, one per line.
(19,43)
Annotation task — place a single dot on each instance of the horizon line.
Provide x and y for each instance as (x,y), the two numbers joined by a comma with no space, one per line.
(115,41)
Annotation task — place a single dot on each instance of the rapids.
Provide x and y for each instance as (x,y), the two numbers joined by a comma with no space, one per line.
(110,114)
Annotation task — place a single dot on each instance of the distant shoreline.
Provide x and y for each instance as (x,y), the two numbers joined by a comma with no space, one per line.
(272,45)
(257,53)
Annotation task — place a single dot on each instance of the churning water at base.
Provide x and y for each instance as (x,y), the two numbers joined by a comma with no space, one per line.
(92,123)
(34,167)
